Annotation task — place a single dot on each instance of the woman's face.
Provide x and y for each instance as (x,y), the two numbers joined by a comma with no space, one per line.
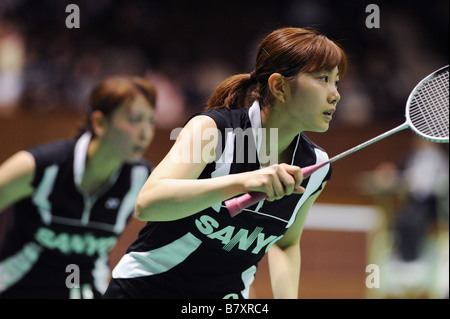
(312,100)
(131,128)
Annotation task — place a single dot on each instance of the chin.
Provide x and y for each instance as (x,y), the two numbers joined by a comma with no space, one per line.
(320,129)
(133,158)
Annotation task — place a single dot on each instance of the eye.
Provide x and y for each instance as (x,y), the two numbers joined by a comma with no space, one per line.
(134,119)
(324,78)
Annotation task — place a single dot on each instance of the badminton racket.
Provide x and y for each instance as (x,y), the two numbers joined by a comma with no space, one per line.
(426,115)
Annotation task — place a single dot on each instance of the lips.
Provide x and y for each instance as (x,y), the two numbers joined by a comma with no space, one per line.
(329,114)
(139,149)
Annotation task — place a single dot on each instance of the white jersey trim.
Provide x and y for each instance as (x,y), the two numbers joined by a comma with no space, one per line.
(156,261)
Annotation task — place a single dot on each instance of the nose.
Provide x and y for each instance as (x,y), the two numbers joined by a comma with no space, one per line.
(146,131)
(334,96)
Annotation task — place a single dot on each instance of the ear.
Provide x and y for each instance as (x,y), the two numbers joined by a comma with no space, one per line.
(98,122)
(277,86)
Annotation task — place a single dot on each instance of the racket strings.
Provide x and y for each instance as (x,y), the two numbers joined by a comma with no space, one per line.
(429,108)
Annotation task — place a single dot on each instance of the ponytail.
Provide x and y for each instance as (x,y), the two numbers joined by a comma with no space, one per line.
(232,93)
(287,51)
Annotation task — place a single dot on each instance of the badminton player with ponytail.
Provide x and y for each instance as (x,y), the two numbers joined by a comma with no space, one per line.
(191,246)
(71,199)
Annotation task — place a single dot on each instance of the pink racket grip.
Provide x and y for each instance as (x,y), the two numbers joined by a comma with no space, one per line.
(307,171)
(237,204)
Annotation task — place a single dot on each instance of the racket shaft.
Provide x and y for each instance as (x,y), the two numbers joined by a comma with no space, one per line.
(370,142)
(237,204)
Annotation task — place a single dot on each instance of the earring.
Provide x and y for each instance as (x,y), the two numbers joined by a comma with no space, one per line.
(283,100)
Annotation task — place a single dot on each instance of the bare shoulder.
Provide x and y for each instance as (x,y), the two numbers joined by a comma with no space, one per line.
(16,176)
(201,122)
(21,162)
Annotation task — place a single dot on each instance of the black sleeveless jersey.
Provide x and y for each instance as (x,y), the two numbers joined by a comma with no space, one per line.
(210,254)
(61,227)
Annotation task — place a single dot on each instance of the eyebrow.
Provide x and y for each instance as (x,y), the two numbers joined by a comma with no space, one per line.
(331,71)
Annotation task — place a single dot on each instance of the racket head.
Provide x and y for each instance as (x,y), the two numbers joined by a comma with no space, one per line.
(427,107)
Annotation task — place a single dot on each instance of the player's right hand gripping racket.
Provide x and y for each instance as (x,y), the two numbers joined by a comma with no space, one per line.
(426,114)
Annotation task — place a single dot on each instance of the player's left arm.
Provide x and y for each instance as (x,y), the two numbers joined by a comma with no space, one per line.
(284,257)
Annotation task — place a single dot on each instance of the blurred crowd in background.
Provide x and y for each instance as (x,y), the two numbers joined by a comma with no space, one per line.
(188,47)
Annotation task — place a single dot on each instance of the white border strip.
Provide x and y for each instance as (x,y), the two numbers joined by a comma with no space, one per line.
(343,217)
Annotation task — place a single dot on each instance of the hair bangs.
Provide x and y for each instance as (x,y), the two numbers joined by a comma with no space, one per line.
(326,55)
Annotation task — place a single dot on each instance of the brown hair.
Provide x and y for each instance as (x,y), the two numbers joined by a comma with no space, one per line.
(287,51)
(115,90)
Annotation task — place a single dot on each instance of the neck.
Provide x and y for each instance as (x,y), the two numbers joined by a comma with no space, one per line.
(101,163)
(285,135)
